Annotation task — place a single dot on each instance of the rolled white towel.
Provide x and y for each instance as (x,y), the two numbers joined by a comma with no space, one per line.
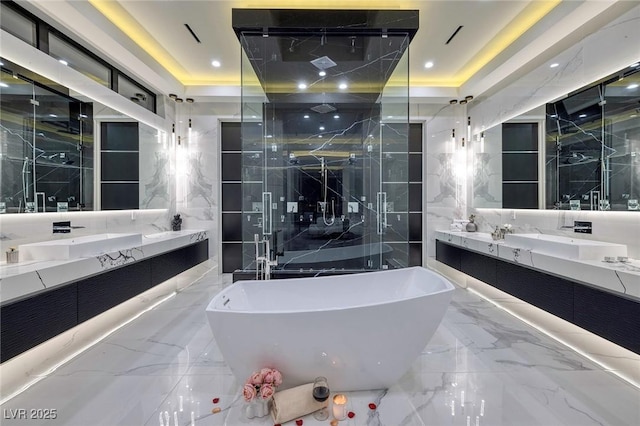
(294,403)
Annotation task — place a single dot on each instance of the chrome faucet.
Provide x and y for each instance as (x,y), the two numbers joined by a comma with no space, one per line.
(497,234)
(501,231)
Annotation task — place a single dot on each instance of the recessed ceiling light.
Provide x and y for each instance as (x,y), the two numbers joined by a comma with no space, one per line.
(253,116)
(63,62)
(633,115)
(4,85)
(428,64)
(336,116)
(216,63)
(52,115)
(306,116)
(321,127)
(319,136)
(302,86)
(632,86)
(582,115)
(553,115)
(342,86)
(634,65)
(322,73)
(555,64)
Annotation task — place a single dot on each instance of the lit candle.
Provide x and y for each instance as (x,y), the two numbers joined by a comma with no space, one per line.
(340,406)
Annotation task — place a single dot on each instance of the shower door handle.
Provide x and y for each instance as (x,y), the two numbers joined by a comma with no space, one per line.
(381,216)
(267,216)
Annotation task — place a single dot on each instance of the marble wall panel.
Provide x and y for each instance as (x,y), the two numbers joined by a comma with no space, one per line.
(198,170)
(445,168)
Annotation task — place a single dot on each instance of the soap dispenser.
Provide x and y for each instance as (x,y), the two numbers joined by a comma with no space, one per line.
(471,226)
(176,223)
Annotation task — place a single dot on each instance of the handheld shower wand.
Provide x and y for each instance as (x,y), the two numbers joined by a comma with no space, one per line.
(323,172)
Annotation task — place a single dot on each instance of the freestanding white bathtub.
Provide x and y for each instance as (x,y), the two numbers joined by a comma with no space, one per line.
(360,331)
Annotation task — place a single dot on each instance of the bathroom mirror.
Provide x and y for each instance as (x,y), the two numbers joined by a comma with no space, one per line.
(51,142)
(589,156)
(592,146)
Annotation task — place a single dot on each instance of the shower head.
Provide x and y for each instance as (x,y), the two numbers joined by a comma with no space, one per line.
(323,108)
(323,63)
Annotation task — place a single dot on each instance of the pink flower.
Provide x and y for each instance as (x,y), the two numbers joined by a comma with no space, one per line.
(264,372)
(256,379)
(277,378)
(268,375)
(266,391)
(248,392)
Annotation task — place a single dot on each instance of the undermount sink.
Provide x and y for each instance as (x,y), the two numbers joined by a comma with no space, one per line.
(567,247)
(76,247)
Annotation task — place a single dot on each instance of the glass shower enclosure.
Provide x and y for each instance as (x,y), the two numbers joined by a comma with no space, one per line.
(325,123)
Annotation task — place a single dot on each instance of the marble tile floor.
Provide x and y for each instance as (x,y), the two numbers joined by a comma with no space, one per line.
(482,367)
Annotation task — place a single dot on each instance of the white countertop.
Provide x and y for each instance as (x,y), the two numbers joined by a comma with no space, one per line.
(617,276)
(23,278)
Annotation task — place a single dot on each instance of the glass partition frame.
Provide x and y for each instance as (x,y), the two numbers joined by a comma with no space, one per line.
(324,166)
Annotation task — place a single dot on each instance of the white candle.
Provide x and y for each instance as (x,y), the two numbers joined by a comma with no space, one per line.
(340,406)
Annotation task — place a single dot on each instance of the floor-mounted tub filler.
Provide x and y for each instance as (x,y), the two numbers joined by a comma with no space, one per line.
(360,331)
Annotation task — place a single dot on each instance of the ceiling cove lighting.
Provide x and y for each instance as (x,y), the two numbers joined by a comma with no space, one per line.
(122,19)
(527,18)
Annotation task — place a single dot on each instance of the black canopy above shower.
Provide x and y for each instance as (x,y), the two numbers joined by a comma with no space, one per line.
(303,55)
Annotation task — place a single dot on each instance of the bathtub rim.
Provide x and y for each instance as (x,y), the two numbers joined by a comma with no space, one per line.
(210,307)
